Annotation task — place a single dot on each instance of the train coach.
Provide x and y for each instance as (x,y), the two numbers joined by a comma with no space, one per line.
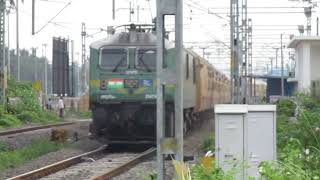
(123,86)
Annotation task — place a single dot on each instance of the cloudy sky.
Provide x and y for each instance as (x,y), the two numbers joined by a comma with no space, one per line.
(206,25)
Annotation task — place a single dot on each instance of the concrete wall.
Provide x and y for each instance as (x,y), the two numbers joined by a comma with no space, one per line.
(303,69)
(315,61)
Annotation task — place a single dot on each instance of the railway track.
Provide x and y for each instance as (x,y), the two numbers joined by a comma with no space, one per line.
(85,167)
(53,168)
(22,130)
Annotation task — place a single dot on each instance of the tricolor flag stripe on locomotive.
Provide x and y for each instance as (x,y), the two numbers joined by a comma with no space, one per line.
(115,83)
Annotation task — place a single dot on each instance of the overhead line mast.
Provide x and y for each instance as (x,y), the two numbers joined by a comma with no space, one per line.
(2,50)
(239,50)
(83,57)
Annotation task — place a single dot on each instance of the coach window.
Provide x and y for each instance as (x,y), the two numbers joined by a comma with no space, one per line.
(194,69)
(187,67)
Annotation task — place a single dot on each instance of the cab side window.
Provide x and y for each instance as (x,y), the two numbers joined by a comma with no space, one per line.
(194,70)
(187,67)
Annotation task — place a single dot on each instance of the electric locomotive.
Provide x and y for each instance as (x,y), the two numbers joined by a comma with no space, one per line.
(123,86)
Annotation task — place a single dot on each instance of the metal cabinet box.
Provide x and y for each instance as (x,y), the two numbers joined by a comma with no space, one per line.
(261,137)
(229,135)
(245,135)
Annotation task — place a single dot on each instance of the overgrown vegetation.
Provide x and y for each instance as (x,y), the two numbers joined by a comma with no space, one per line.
(80,115)
(208,144)
(25,108)
(37,148)
(298,140)
(152,175)
(298,149)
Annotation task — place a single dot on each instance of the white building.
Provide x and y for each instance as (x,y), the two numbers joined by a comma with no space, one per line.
(307,62)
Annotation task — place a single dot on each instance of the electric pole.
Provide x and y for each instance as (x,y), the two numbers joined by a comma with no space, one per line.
(113,9)
(72,69)
(244,51)
(271,61)
(169,7)
(250,55)
(34,54)
(277,50)
(8,44)
(138,18)
(234,42)
(83,55)
(45,68)
(2,51)
(17,39)
(317,26)
(203,51)
(282,78)
(239,50)
(130,11)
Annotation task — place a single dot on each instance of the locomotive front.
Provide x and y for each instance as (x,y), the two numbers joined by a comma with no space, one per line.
(123,87)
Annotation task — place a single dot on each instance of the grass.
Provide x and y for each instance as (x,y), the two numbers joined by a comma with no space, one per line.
(80,115)
(39,147)
(3,146)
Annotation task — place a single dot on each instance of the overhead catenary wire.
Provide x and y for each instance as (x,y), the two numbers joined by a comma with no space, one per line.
(69,3)
(199,7)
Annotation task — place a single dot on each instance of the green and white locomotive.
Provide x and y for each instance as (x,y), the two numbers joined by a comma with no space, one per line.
(123,86)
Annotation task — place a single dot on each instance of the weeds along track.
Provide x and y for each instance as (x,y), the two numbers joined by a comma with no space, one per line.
(98,164)
(22,130)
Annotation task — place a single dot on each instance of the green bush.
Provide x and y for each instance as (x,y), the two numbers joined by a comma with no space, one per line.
(208,144)
(298,142)
(49,117)
(286,107)
(28,116)
(27,109)
(150,176)
(8,120)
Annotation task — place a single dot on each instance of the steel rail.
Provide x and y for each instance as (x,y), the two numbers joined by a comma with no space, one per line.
(16,131)
(128,165)
(53,168)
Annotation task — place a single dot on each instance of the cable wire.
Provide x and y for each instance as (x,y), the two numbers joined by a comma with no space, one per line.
(53,18)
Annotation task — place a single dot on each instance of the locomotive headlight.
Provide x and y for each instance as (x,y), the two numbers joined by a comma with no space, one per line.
(131,83)
(103,85)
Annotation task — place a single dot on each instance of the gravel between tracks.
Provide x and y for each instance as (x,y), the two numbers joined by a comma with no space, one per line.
(74,148)
(192,147)
(17,141)
(91,169)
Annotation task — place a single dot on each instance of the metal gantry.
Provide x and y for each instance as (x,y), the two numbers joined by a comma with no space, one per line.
(234,72)
(244,51)
(239,50)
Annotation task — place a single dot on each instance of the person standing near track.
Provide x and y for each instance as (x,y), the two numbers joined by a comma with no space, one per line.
(61,107)
(49,104)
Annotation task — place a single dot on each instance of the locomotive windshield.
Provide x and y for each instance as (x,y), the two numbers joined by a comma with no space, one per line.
(113,58)
(146,59)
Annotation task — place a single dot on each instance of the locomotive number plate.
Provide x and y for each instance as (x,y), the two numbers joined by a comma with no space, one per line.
(131,83)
